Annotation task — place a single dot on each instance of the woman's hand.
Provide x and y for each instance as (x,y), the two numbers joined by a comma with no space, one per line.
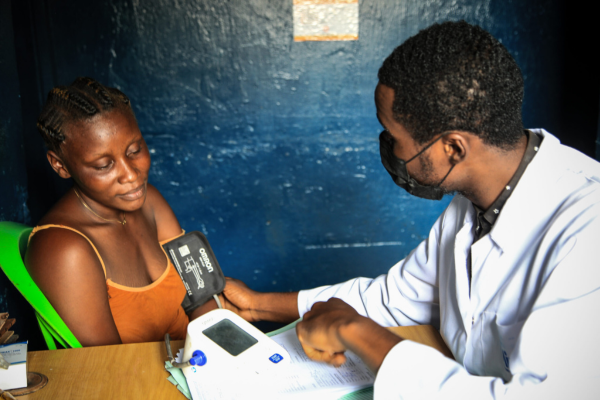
(330,328)
(256,306)
(239,298)
(236,297)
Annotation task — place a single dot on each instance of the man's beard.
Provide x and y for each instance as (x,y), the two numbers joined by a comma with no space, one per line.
(427,177)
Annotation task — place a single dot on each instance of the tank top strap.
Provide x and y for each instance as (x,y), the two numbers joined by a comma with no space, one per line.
(42,227)
(174,237)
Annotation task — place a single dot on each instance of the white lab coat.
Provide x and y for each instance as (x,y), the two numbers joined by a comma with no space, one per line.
(529,329)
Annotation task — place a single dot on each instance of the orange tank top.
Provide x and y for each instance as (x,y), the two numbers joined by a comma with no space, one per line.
(146,313)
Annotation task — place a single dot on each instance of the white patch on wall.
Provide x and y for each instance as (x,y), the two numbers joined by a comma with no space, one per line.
(325,20)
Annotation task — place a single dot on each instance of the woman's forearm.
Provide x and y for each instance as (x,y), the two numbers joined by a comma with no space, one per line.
(276,307)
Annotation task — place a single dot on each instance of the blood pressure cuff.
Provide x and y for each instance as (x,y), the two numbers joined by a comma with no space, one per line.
(198,268)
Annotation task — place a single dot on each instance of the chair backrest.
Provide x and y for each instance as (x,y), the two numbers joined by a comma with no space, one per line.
(13,243)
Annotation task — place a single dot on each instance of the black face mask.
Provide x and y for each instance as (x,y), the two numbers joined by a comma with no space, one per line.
(397,169)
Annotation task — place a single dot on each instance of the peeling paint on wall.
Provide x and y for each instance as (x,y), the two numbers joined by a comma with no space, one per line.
(350,245)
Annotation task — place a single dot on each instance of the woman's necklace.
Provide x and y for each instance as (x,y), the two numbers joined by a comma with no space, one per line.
(93,212)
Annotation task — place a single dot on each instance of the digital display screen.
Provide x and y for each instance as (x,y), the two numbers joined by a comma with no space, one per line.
(230,337)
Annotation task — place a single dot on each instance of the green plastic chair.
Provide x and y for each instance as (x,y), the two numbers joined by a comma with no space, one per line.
(13,243)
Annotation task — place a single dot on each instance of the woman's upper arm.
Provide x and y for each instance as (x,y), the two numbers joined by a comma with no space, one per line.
(67,270)
(166,222)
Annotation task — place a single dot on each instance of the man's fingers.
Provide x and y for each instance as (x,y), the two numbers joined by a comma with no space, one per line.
(335,359)
(338,359)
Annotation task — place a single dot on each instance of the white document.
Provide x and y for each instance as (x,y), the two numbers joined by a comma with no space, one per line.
(301,379)
(305,378)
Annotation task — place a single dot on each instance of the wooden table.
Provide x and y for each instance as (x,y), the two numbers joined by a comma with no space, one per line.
(136,371)
(127,371)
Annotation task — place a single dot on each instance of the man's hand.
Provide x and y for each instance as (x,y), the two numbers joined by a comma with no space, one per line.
(330,328)
(319,331)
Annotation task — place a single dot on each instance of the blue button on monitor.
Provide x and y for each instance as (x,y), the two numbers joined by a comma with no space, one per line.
(275,358)
(198,358)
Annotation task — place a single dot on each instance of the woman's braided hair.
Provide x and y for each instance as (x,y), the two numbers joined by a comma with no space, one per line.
(80,101)
(456,76)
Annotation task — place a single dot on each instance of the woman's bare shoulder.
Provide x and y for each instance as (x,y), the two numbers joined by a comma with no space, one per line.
(62,212)
(155,199)
(69,273)
(58,251)
(167,224)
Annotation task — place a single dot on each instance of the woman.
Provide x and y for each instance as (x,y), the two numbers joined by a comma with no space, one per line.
(97,254)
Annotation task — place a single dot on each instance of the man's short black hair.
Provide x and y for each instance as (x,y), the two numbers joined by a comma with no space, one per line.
(456,76)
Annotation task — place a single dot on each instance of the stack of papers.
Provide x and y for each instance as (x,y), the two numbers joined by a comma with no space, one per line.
(301,379)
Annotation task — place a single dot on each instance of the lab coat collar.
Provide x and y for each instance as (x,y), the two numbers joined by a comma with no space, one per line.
(528,205)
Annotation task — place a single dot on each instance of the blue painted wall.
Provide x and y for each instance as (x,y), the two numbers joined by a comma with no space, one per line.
(13,176)
(12,154)
(269,146)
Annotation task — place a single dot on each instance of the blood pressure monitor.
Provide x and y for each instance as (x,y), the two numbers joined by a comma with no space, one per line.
(221,346)
(223,352)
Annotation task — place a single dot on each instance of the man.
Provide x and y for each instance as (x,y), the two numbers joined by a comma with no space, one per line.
(508,272)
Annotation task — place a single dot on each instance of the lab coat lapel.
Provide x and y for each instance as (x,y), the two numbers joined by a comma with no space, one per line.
(485,273)
(494,257)
(462,244)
